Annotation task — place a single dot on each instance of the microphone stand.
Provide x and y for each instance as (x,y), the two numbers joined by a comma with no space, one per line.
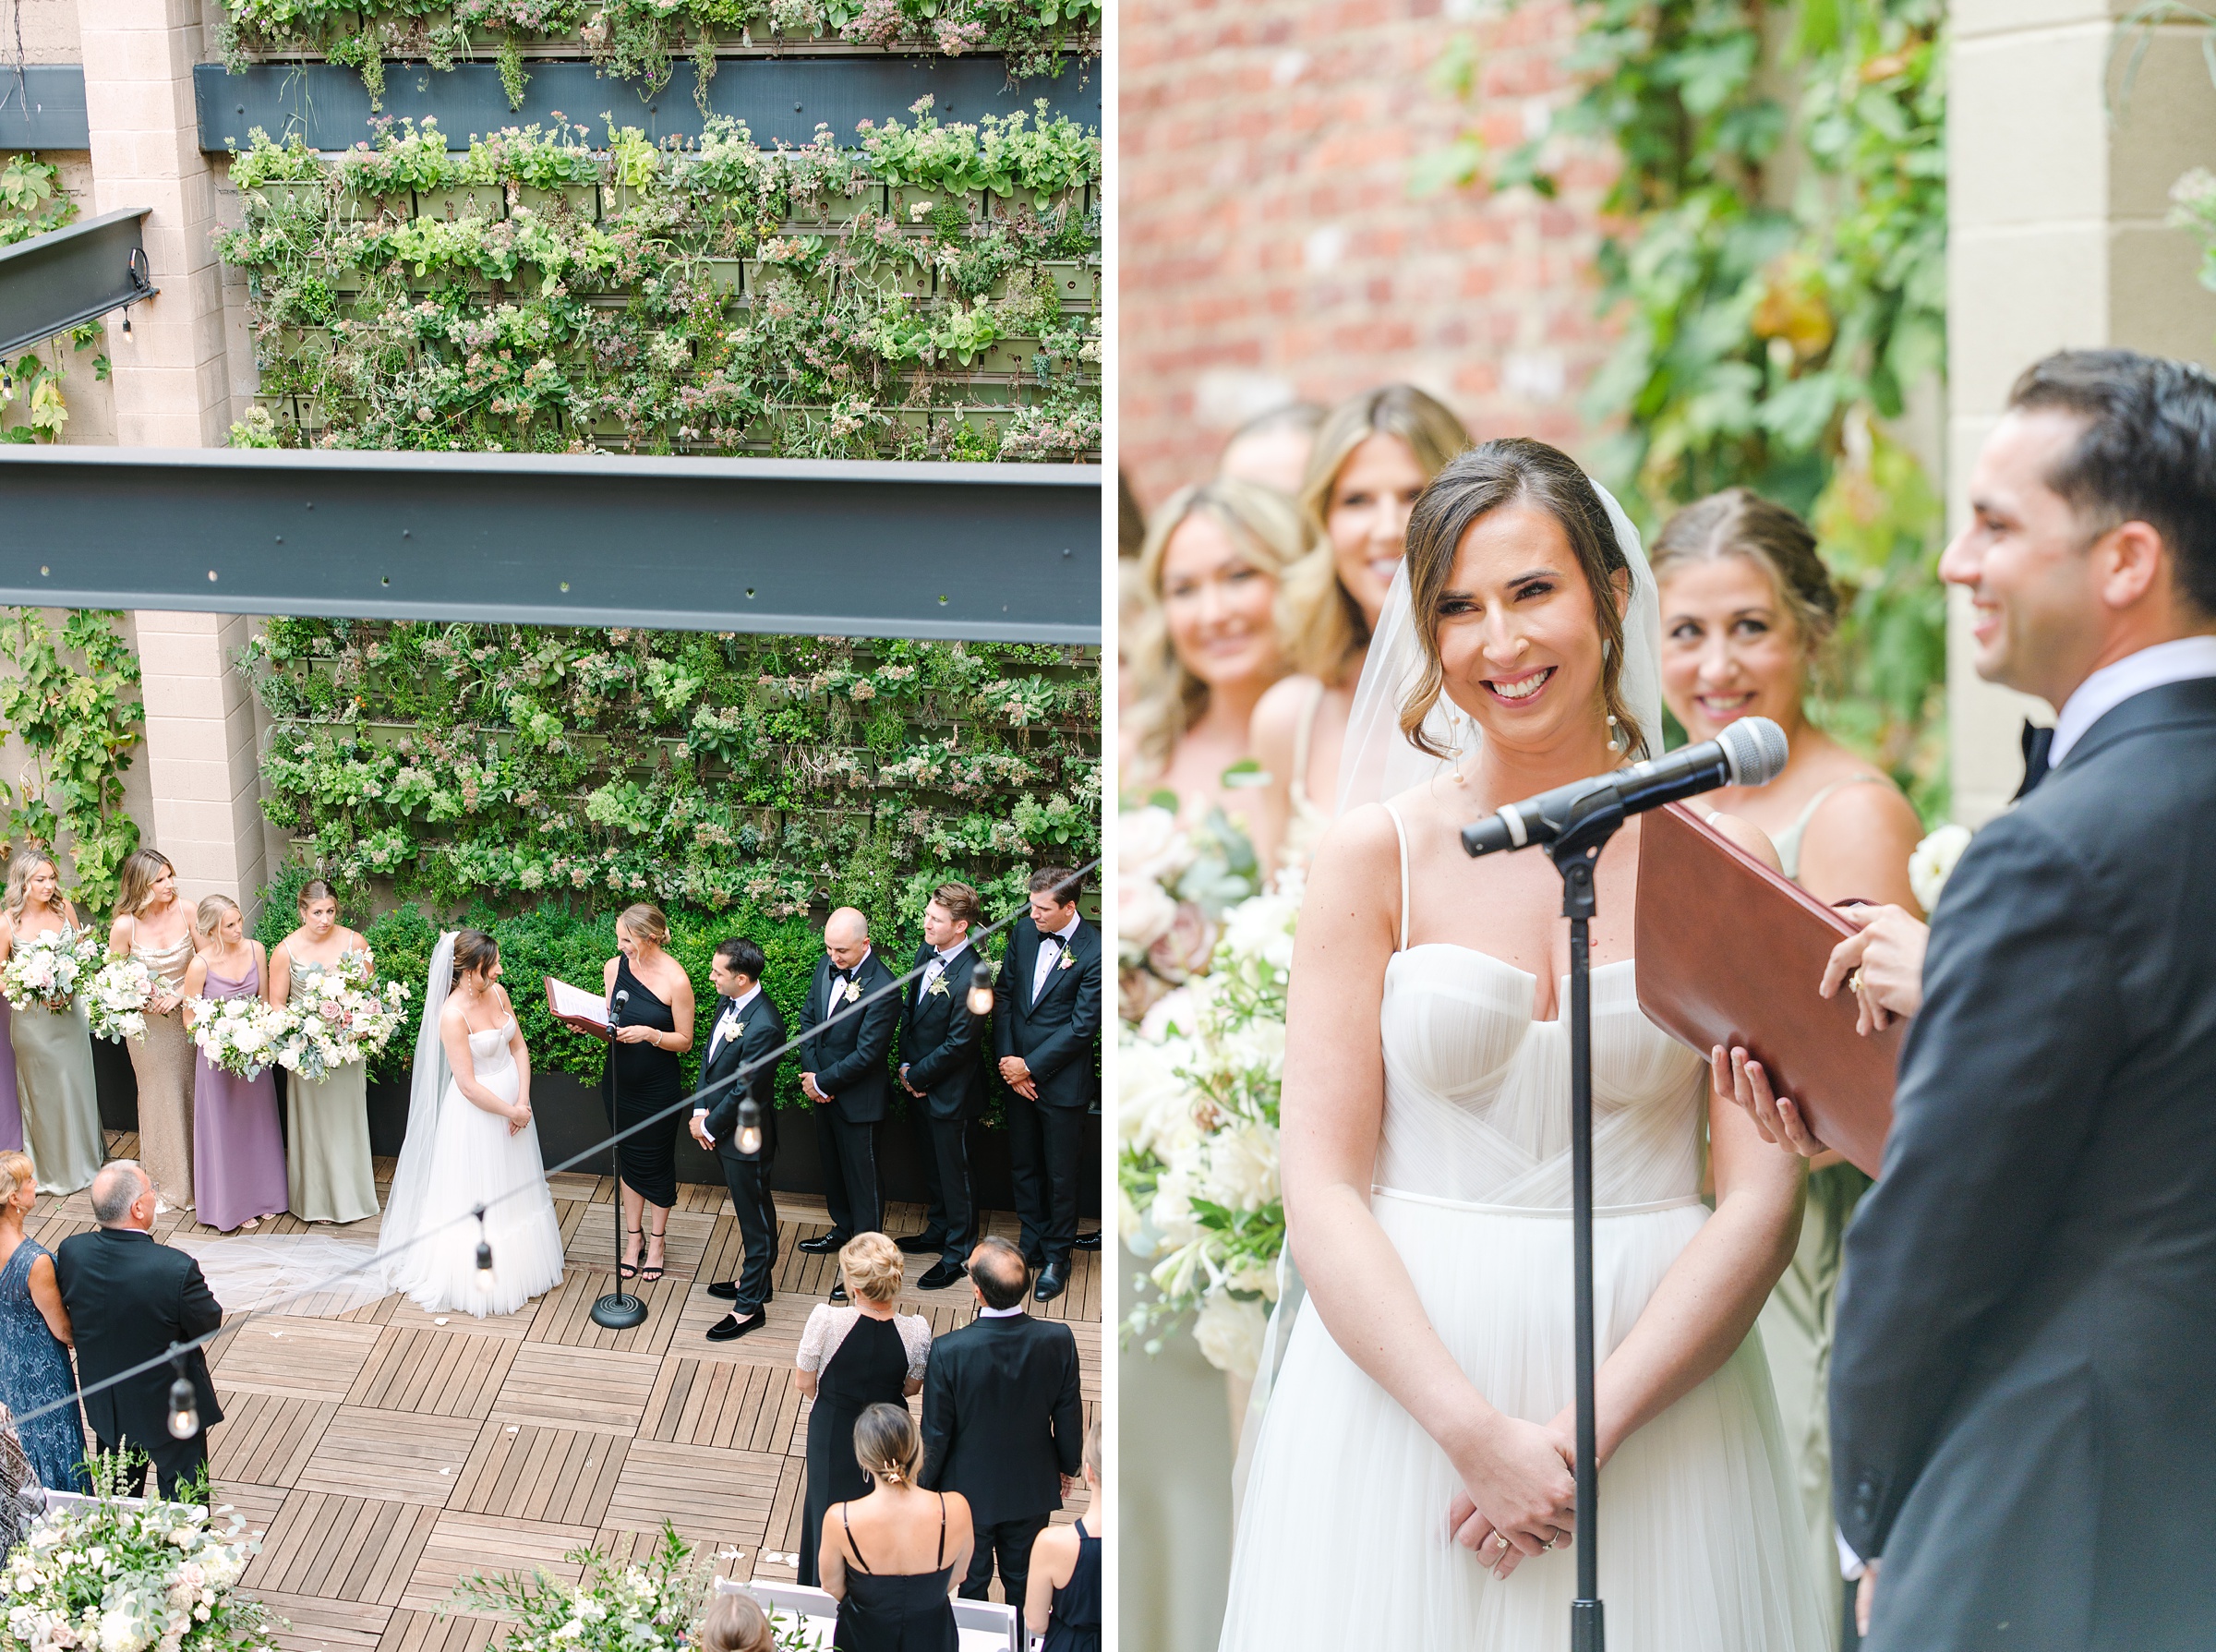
(619,1310)
(1592,821)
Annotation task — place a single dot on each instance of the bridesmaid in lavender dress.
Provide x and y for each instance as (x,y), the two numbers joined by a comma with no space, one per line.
(238,1153)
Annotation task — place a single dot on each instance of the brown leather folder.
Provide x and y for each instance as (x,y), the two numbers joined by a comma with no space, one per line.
(1730,953)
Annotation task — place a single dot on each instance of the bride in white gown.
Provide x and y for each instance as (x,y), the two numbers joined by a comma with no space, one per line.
(1411,1483)
(471,1143)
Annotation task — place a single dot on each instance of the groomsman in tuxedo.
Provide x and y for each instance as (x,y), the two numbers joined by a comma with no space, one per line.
(130,1299)
(939,1068)
(846,1077)
(2024,1451)
(1046,1016)
(744,1028)
(1003,1421)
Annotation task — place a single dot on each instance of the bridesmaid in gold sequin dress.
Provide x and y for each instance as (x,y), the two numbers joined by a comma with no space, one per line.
(153,926)
(328,1173)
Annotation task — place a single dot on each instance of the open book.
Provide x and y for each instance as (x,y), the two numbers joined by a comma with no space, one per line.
(574,1006)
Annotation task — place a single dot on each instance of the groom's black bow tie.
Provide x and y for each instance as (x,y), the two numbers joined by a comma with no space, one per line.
(2038,740)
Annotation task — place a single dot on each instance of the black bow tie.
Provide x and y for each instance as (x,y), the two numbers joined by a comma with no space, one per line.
(1049,940)
(2037,741)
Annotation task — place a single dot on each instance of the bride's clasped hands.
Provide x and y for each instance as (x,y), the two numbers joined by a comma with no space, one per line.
(1519,1495)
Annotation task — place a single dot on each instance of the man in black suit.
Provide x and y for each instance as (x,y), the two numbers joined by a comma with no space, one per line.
(2023,1438)
(129,1298)
(1003,1422)
(1046,1016)
(846,1076)
(744,1028)
(939,1068)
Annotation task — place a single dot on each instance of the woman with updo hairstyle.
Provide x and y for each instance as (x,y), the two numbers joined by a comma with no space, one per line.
(53,1048)
(1205,647)
(237,1145)
(1747,609)
(892,1557)
(1374,455)
(851,1359)
(328,1173)
(649,1029)
(155,927)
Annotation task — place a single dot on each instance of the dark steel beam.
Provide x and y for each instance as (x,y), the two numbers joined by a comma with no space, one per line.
(50,282)
(991,553)
(781,100)
(42,107)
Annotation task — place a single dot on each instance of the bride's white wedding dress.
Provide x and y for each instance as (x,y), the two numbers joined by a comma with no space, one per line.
(1342,1538)
(475,1159)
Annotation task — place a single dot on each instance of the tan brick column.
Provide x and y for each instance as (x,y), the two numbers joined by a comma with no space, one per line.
(170,378)
(200,750)
(2058,189)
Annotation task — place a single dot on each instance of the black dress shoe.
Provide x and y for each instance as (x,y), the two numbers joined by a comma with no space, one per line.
(727,1291)
(838,1293)
(732,1327)
(919,1243)
(1091,1241)
(829,1245)
(1052,1282)
(947,1272)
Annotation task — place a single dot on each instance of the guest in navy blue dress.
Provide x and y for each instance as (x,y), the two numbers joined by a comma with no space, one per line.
(35,1338)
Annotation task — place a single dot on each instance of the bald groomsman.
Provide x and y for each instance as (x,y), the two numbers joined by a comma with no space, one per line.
(844,1076)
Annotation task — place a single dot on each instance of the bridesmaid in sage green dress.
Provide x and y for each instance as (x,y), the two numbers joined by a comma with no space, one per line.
(153,926)
(328,1173)
(54,1050)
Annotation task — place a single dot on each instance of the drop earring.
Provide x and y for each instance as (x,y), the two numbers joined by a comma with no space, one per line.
(1454,722)
(1616,740)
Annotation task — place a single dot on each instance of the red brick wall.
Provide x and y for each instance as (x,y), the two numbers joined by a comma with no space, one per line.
(1268,238)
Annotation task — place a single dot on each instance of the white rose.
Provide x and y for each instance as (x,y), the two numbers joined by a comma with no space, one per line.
(1934,862)
(1229,1331)
(1149,845)
(1239,1168)
(1144,912)
(1262,928)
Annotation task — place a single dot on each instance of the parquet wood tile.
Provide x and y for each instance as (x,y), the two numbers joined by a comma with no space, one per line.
(312,1624)
(265,1438)
(592,1245)
(723,1405)
(563,1477)
(335,1548)
(576,1388)
(429,1631)
(432,1372)
(722,1496)
(257,1505)
(395,1454)
(487,1545)
(565,1312)
(316,1359)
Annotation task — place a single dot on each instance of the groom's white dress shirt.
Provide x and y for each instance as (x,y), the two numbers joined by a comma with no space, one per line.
(2179,661)
(1042,969)
(723,1025)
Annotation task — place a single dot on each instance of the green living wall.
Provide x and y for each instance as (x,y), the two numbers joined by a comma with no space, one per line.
(536,781)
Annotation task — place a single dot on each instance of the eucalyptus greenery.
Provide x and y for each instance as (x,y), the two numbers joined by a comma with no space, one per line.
(931,293)
(72,699)
(1768,341)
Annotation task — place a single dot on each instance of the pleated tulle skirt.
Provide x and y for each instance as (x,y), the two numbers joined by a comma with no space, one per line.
(1342,1537)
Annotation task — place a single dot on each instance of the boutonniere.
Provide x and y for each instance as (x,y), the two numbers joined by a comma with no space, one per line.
(937,989)
(1066,959)
(739,1030)
(853,991)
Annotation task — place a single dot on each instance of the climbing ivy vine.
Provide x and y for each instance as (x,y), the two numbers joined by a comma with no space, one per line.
(72,699)
(1766,336)
(31,405)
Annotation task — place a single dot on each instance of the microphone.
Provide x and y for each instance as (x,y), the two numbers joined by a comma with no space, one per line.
(1750,752)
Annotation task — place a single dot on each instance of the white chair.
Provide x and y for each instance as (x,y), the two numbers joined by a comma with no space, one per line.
(60,1502)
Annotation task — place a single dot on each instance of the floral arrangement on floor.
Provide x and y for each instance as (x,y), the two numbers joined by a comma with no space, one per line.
(1198,1163)
(48,968)
(929,292)
(241,1036)
(108,1578)
(339,1015)
(117,1002)
(1173,889)
(647,1605)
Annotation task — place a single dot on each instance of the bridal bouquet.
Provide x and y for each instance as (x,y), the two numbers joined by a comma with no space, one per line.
(105,1577)
(117,1002)
(339,1014)
(1197,1164)
(47,968)
(237,1035)
(1173,889)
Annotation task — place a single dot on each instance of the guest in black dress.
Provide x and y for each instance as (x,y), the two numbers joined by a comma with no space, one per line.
(851,1358)
(890,1558)
(651,1028)
(1063,1599)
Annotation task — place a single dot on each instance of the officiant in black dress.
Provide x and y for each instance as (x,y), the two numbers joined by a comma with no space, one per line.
(650,1022)
(2023,1446)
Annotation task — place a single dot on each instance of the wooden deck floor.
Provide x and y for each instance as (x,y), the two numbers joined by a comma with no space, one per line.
(384,1453)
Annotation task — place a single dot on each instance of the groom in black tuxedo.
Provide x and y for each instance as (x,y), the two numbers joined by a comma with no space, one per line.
(743,1028)
(939,1068)
(844,1077)
(1046,1017)
(130,1297)
(2023,1443)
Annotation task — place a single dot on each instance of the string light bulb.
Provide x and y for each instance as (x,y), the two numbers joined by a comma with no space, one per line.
(980,989)
(750,1126)
(484,1254)
(184,1404)
(127,326)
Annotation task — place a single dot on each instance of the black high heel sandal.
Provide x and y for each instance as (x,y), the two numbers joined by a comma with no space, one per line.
(631,1270)
(648,1276)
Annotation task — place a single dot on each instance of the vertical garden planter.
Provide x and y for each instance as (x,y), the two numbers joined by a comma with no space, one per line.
(1076,285)
(462,201)
(574,201)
